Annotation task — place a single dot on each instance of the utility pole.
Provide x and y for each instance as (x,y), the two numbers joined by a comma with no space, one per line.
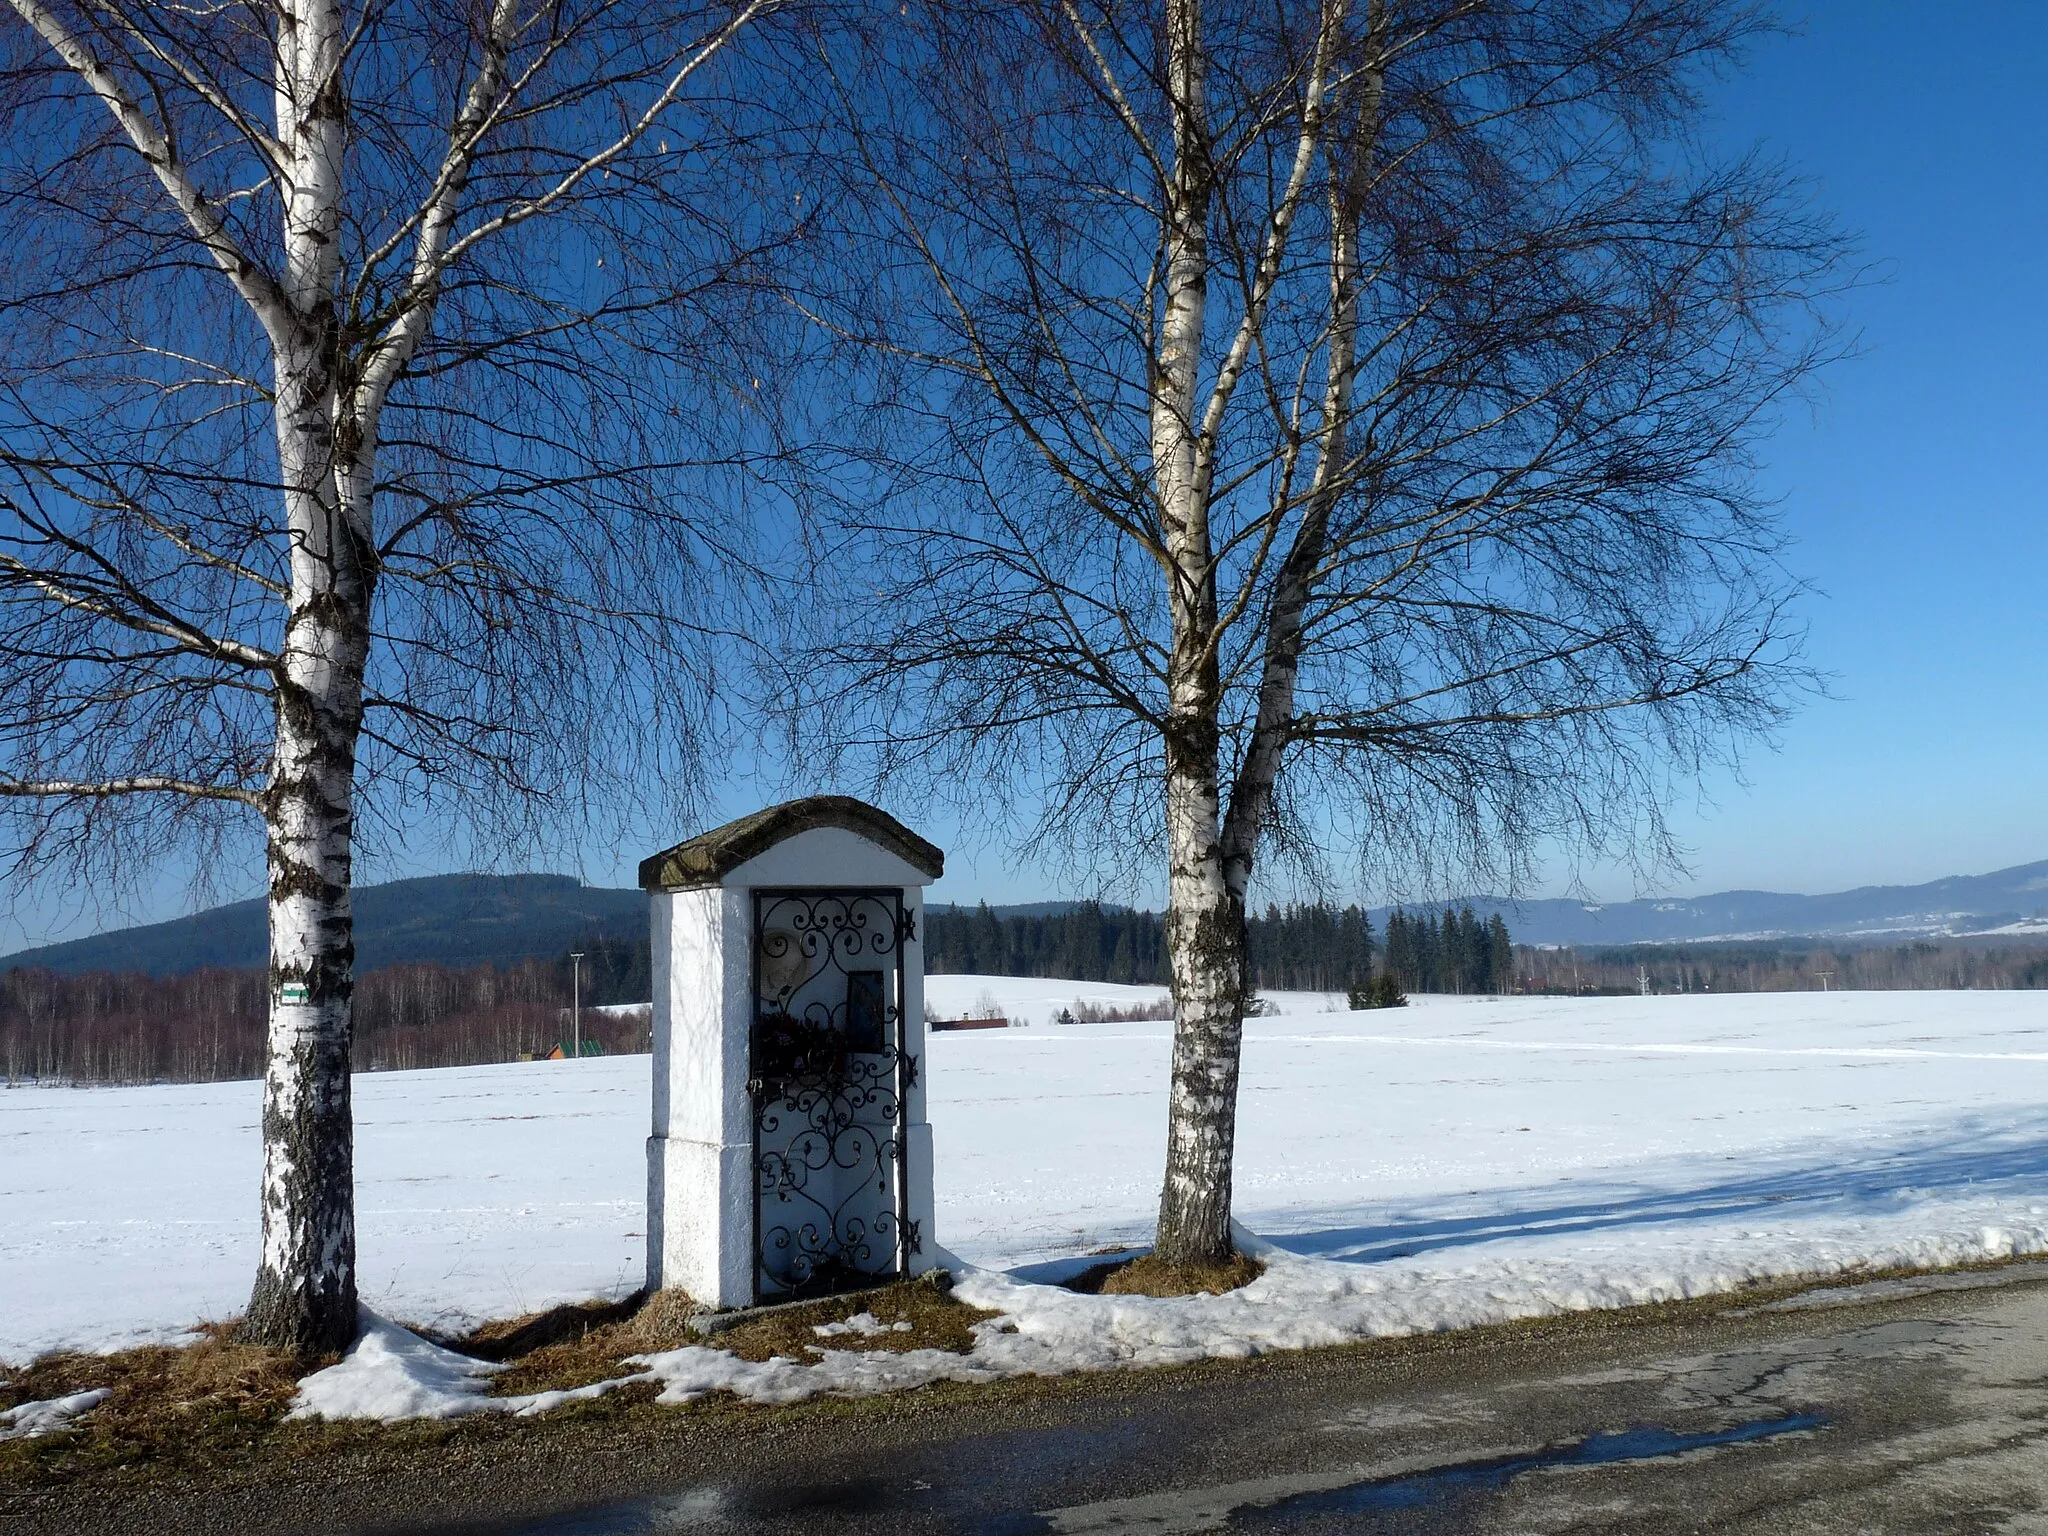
(576,1005)
(1824,975)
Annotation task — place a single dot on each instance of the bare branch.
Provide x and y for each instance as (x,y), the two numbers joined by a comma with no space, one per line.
(256,287)
(80,789)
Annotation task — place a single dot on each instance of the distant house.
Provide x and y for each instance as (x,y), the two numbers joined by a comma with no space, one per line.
(560,1051)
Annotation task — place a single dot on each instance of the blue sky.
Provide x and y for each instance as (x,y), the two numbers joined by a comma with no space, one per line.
(1911,484)
(1913,488)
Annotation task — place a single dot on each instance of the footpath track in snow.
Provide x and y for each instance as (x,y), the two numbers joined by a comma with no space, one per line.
(1460,1161)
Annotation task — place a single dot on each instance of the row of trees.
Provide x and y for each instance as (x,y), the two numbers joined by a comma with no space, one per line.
(209,1025)
(1782,968)
(1314,948)
(1310,947)
(1455,953)
(1252,428)
(1087,942)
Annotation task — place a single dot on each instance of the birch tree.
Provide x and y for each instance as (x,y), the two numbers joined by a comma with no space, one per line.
(362,365)
(1313,426)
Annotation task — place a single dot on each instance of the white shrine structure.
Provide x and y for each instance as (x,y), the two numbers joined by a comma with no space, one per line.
(790,1155)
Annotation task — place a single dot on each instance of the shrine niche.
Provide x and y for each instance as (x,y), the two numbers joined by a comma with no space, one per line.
(790,1153)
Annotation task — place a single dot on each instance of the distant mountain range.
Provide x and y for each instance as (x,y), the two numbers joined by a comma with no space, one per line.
(453,919)
(2010,903)
(502,919)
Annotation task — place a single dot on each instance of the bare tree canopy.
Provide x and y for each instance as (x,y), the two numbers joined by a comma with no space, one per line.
(376,381)
(1322,424)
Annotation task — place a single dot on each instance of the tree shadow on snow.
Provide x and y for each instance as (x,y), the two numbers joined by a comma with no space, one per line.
(1967,1156)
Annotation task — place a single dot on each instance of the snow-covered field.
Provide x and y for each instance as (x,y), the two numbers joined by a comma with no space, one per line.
(1454,1162)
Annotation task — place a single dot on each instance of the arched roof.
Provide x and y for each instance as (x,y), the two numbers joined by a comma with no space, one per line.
(709,857)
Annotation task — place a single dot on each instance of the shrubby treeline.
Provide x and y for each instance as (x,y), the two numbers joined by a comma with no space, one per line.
(209,1025)
(100,1027)
(1794,967)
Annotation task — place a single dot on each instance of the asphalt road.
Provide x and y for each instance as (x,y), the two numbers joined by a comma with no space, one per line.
(1893,1407)
(1905,1412)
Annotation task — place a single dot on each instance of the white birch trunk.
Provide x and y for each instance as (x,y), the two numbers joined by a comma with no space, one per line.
(327,425)
(1211,847)
(1205,937)
(1204,932)
(305,1293)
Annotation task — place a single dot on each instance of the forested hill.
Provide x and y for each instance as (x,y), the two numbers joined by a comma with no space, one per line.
(456,920)
(467,920)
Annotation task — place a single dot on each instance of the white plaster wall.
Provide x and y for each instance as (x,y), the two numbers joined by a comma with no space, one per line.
(708,1232)
(917,1146)
(660,922)
(700,1214)
(913,1008)
(701,976)
(827,856)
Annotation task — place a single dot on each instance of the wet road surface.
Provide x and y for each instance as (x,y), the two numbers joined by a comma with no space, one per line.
(1901,1406)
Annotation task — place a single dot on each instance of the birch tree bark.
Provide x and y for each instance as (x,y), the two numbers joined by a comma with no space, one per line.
(1326,428)
(1194,1211)
(1205,936)
(1206,911)
(305,1293)
(215,592)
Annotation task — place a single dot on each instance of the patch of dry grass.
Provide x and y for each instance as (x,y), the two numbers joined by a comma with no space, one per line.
(938,1320)
(193,1407)
(1150,1275)
(576,1346)
(568,1347)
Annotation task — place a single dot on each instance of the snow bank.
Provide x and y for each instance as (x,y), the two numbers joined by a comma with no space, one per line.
(1042,1329)
(390,1373)
(1300,1302)
(39,1418)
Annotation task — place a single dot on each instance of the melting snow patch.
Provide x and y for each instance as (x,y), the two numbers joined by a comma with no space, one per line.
(390,1373)
(1300,1302)
(687,1374)
(51,1413)
(862,1323)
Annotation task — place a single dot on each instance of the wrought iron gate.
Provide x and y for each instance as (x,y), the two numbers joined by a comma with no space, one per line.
(829,1078)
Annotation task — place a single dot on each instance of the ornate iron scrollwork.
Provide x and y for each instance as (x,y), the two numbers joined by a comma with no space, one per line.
(829,1078)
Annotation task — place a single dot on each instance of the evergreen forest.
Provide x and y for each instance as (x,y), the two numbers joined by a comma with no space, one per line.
(1306,947)
(1455,953)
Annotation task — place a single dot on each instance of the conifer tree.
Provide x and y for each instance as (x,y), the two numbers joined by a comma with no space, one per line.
(1501,953)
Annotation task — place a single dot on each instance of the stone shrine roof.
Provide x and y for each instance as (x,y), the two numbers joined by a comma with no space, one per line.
(710,856)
